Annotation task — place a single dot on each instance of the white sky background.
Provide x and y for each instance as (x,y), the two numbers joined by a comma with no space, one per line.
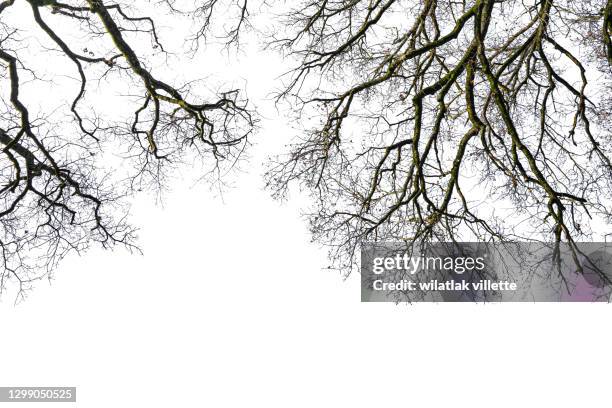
(231,306)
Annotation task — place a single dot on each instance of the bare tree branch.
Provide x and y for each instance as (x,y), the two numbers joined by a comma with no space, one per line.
(58,193)
(442,120)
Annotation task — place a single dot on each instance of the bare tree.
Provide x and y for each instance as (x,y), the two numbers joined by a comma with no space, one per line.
(442,120)
(58,192)
(424,120)
(234,22)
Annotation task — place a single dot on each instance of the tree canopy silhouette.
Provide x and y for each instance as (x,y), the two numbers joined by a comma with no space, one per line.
(68,166)
(422,120)
(442,120)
